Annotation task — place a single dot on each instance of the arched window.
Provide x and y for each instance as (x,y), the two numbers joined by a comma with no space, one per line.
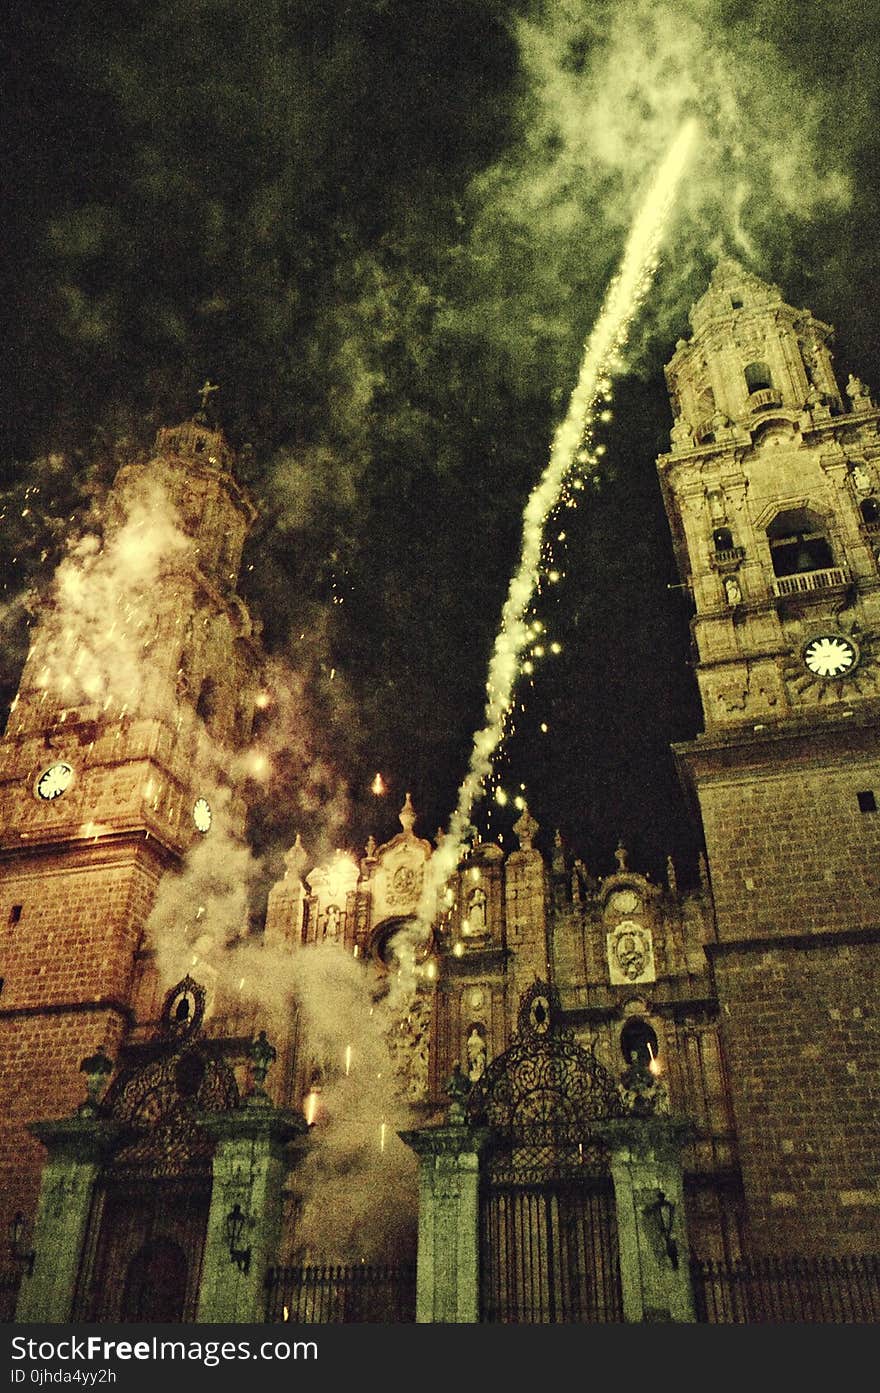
(640,1039)
(722,539)
(870,510)
(798,542)
(758,377)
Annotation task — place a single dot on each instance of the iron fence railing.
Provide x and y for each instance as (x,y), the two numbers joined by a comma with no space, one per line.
(768,1290)
(330,1295)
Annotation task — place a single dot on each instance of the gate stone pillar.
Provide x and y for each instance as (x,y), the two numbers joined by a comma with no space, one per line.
(76,1148)
(448,1259)
(244,1220)
(645,1155)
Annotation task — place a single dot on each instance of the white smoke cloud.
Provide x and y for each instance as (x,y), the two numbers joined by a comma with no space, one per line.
(606,89)
(101,611)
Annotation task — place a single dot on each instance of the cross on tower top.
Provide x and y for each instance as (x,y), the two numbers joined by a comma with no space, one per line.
(205,392)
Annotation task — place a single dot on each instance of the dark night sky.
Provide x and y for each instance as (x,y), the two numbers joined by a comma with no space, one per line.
(385,229)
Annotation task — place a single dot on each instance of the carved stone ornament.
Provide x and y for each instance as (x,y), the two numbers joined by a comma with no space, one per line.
(404,884)
(630,954)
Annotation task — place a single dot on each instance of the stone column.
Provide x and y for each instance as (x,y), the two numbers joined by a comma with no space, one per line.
(448,1262)
(76,1147)
(248,1171)
(647,1173)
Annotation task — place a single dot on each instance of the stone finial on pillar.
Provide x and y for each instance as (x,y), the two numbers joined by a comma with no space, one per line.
(671,876)
(525,829)
(458,1087)
(407,815)
(295,860)
(97,1068)
(262,1056)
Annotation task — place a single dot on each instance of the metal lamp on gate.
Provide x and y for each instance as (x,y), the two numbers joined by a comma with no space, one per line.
(26,1257)
(663,1210)
(235,1222)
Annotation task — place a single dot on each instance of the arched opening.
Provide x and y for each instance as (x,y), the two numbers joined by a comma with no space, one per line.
(870,510)
(798,542)
(640,1039)
(722,539)
(758,377)
(155,1284)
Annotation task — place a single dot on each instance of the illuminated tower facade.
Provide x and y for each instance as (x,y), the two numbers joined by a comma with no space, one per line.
(772,489)
(139,683)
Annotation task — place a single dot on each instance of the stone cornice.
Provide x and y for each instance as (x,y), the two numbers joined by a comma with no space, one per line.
(81,1137)
(70,1008)
(661,1135)
(826,938)
(256,1120)
(451,1140)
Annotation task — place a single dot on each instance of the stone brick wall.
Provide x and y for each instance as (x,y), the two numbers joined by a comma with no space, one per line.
(791,852)
(801,1028)
(69,929)
(41,1053)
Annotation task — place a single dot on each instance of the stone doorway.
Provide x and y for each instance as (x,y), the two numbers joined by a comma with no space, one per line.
(144,1260)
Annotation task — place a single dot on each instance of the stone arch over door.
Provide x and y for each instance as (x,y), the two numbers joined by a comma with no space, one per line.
(548,1231)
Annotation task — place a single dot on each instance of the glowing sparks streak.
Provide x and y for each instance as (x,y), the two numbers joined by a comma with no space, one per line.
(622,299)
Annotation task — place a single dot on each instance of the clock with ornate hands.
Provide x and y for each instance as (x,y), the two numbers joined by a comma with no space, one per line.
(830,655)
(54,781)
(202,815)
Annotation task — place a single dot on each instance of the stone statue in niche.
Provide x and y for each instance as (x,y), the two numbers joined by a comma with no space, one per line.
(474,925)
(476,1054)
(682,435)
(732,590)
(859,396)
(332,921)
(862,479)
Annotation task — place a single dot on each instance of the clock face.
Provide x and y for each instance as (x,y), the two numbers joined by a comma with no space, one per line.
(54,781)
(623,901)
(830,655)
(202,815)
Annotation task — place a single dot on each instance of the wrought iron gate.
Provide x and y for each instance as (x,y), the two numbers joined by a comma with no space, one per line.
(548,1231)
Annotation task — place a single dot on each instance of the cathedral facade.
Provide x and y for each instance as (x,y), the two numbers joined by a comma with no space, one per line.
(145,1114)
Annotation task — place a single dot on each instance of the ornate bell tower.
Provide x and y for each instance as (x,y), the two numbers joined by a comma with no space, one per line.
(138,689)
(772,489)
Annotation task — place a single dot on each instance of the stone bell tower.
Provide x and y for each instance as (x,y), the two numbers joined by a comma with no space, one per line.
(137,691)
(772,489)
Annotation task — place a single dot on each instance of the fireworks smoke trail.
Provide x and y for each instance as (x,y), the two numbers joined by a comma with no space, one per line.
(622,299)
